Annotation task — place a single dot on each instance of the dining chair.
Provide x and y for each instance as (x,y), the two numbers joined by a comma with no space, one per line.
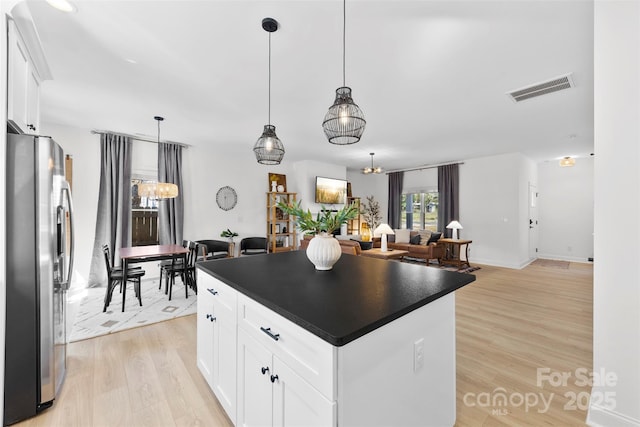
(187,272)
(253,245)
(116,277)
(214,249)
(168,263)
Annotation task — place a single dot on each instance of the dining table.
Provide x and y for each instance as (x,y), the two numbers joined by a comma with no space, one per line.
(136,254)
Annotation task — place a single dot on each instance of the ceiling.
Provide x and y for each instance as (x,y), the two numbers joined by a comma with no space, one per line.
(430,76)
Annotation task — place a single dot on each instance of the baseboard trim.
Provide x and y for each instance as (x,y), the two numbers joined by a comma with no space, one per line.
(584,260)
(598,416)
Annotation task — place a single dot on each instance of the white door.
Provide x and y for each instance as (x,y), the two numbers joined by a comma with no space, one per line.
(533,221)
(254,383)
(296,402)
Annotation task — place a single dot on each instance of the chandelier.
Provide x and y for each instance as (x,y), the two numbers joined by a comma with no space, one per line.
(344,122)
(158,190)
(268,149)
(567,162)
(371,169)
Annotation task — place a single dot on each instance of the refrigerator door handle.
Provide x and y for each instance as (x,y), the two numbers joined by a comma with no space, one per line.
(67,191)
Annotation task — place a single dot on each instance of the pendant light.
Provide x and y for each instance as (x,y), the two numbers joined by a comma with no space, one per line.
(158,190)
(268,148)
(344,122)
(371,169)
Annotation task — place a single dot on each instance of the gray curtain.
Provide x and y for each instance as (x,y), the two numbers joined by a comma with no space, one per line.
(448,192)
(113,225)
(170,211)
(394,209)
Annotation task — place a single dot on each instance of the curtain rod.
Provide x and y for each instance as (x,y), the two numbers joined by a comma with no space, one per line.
(424,167)
(138,137)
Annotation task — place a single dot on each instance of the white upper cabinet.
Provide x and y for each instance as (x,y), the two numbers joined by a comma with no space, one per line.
(23,89)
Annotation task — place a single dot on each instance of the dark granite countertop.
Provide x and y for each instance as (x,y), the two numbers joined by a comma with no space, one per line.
(358,295)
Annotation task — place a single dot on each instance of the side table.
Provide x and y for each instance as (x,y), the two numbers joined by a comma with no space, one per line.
(453,252)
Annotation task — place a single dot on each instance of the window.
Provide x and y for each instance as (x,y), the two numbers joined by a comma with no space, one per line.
(420,211)
(144,216)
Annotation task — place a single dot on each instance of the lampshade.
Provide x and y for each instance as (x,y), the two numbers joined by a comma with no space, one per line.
(382,229)
(567,162)
(268,149)
(158,191)
(371,169)
(344,122)
(454,226)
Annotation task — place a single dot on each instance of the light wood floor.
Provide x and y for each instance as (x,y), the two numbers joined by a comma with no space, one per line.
(509,324)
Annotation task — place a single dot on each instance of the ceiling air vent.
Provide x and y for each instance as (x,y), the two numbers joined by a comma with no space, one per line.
(543,88)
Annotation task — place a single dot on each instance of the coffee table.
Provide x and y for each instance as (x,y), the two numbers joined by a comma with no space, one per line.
(389,254)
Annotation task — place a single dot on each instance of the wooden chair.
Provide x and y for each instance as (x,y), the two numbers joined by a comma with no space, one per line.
(116,277)
(187,272)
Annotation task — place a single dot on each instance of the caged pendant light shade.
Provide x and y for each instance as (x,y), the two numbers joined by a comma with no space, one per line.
(344,122)
(268,149)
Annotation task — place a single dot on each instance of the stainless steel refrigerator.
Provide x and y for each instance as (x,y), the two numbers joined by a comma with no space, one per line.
(39,263)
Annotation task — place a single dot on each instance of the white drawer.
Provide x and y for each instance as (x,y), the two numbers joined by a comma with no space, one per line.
(308,355)
(214,290)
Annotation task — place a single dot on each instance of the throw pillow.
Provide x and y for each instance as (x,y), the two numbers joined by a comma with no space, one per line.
(415,240)
(402,235)
(434,237)
(424,236)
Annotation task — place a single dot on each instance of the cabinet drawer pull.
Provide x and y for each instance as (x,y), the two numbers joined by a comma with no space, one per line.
(210,317)
(213,291)
(274,378)
(271,334)
(264,370)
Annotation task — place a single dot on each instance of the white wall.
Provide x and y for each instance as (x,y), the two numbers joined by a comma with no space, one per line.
(376,185)
(616,294)
(304,179)
(493,208)
(565,210)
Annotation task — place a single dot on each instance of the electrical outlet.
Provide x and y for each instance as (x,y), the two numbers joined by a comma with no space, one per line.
(418,355)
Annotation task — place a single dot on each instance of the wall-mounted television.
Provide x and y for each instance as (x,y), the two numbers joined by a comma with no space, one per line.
(331,191)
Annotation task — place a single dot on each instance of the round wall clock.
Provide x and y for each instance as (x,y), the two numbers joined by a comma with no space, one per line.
(226,198)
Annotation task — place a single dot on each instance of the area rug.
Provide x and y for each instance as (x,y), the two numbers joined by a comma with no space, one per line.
(91,322)
(441,267)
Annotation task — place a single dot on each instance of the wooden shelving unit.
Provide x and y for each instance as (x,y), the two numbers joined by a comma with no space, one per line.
(281,228)
(353,226)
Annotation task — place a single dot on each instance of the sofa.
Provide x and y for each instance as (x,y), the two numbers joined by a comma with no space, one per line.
(422,244)
(346,246)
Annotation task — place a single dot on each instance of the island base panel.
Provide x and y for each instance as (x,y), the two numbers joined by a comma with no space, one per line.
(377,383)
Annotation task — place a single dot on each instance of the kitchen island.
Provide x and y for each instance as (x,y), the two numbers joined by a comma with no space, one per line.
(370,342)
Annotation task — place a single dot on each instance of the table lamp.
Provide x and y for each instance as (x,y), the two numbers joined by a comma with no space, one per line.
(381,231)
(454,226)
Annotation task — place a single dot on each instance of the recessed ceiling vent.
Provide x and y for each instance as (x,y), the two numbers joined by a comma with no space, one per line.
(543,88)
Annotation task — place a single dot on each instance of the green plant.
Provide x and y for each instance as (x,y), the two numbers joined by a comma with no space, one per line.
(325,220)
(228,234)
(371,212)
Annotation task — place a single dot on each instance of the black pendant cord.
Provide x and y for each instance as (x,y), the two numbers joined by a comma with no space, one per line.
(269,109)
(344,43)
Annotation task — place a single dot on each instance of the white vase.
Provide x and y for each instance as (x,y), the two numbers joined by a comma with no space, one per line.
(324,251)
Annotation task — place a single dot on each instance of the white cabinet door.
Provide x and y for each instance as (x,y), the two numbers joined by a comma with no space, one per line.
(296,402)
(205,335)
(224,350)
(254,382)
(23,88)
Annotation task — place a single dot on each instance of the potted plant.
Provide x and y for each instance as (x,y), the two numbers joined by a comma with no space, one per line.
(324,249)
(229,234)
(371,213)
